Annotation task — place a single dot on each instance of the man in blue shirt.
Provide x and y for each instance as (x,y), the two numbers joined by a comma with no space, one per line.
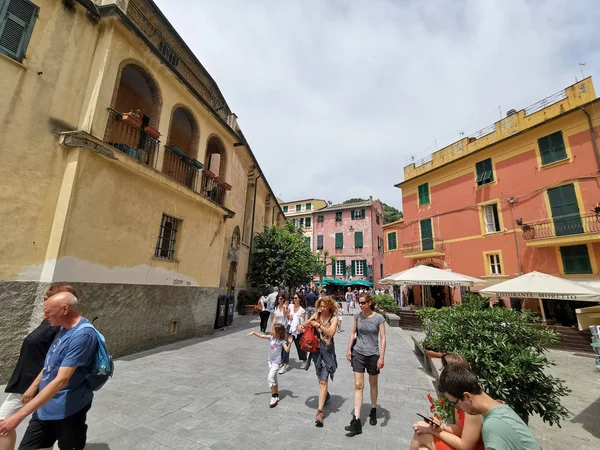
(64,398)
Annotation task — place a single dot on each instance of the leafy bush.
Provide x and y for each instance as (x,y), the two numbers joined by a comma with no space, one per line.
(385,302)
(505,349)
(247,297)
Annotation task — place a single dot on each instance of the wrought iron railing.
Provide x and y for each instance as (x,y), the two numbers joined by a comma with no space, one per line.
(193,75)
(424,245)
(212,189)
(550,100)
(484,131)
(131,139)
(181,168)
(561,226)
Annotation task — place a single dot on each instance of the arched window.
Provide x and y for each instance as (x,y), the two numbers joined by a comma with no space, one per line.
(182,147)
(216,158)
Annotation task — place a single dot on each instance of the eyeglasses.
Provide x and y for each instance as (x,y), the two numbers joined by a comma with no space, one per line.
(454,402)
(362,303)
(296,298)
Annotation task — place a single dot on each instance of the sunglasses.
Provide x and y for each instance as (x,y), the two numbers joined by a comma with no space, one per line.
(362,303)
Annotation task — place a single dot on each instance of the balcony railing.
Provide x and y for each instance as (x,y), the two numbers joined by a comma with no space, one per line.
(424,245)
(178,166)
(131,139)
(550,100)
(562,226)
(193,75)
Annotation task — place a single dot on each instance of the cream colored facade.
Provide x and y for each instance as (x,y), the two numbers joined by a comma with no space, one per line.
(84,191)
(300,210)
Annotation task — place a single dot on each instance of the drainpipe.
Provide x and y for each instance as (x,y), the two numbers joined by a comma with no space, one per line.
(594,144)
(253,211)
(511,201)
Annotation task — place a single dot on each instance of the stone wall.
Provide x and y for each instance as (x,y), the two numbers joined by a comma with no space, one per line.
(132,318)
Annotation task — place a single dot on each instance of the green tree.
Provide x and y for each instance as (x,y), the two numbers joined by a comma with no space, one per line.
(390,214)
(505,349)
(281,257)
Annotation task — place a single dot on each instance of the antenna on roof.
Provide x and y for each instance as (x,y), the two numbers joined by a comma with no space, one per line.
(581,67)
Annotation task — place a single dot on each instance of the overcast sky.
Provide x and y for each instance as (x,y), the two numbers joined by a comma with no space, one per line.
(335,96)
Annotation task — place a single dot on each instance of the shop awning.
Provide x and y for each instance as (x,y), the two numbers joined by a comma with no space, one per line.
(360,283)
(430,276)
(541,285)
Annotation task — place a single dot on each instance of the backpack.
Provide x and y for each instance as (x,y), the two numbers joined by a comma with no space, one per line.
(309,342)
(102,367)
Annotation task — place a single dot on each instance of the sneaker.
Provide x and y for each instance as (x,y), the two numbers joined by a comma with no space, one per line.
(355,427)
(319,419)
(339,331)
(306,367)
(282,370)
(303,365)
(273,402)
(373,416)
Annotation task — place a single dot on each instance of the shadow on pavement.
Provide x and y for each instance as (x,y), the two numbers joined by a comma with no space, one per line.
(332,406)
(238,325)
(286,393)
(588,418)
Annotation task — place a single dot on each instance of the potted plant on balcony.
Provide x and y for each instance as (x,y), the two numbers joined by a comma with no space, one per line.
(152,132)
(209,174)
(132,118)
(528,230)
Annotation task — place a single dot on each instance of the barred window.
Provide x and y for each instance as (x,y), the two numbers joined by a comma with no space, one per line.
(165,245)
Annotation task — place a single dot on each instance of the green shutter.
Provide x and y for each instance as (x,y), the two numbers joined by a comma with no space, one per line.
(298,208)
(319,242)
(338,216)
(485,172)
(17,18)
(576,259)
(339,240)
(353,267)
(320,218)
(308,206)
(392,245)
(426,235)
(552,148)
(362,214)
(343,268)
(285,209)
(423,194)
(565,210)
(307,222)
(358,239)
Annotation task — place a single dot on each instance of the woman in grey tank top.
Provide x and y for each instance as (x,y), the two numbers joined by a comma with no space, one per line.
(366,353)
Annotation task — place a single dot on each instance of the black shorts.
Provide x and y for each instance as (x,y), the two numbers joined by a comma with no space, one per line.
(361,362)
(70,432)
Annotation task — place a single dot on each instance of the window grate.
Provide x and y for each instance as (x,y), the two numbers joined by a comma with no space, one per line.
(165,245)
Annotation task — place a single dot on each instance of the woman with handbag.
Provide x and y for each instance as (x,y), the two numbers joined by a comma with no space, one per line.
(366,352)
(324,322)
(296,316)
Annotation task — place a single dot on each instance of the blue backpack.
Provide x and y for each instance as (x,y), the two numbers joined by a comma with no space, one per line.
(102,368)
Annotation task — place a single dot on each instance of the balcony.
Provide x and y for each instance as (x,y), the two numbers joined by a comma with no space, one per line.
(424,248)
(125,133)
(565,230)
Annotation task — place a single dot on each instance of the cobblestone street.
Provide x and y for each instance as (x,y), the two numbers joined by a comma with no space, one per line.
(212,393)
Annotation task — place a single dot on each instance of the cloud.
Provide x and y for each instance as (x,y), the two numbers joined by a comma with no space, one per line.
(336,96)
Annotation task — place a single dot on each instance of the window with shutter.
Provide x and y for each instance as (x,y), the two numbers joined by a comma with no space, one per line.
(17,18)
(576,259)
(353,266)
(391,238)
(307,240)
(339,240)
(485,172)
(426,235)
(552,148)
(359,268)
(320,218)
(490,217)
(308,206)
(320,242)
(423,194)
(377,218)
(338,216)
(358,239)
(308,222)
(285,209)
(340,267)
(298,208)
(565,210)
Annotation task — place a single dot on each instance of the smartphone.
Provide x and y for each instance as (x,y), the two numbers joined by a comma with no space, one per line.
(428,420)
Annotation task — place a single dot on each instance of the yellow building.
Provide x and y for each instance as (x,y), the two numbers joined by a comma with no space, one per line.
(301,213)
(123,172)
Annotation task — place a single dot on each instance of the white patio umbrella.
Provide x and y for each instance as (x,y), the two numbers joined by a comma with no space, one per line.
(429,276)
(540,285)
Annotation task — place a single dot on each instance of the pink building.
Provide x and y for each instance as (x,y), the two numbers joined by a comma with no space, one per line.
(352,233)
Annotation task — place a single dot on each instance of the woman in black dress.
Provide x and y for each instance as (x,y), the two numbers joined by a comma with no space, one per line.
(20,386)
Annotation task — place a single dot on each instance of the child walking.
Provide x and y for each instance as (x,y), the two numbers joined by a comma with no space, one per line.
(277,341)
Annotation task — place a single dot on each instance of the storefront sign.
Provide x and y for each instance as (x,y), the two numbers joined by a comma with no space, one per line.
(439,262)
(533,295)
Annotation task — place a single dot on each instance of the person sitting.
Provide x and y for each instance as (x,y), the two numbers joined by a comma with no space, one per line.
(465,435)
(502,428)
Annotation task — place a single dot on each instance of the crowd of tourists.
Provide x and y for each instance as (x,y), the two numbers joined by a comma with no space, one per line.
(321,318)
(481,422)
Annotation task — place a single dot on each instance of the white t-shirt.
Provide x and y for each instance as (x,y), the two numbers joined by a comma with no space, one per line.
(296,319)
(279,317)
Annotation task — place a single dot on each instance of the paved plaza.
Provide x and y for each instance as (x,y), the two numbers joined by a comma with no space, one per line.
(212,393)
